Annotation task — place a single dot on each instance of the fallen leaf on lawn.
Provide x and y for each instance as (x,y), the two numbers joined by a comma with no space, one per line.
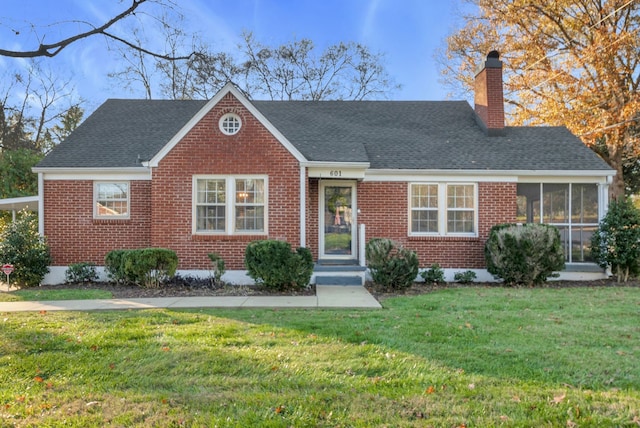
(559,398)
(376,379)
(43,312)
(515,399)
(430,390)
(279,409)
(166,349)
(20,398)
(38,379)
(472,386)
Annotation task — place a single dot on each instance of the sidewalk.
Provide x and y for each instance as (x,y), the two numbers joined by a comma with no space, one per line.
(327,296)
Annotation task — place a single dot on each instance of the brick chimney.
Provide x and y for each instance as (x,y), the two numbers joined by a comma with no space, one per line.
(489,100)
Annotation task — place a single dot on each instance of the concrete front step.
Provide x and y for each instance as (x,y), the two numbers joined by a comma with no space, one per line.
(339,280)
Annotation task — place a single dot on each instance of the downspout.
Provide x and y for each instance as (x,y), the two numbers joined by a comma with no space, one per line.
(303,206)
(41,204)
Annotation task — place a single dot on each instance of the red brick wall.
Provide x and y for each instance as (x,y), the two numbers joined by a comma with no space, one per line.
(73,234)
(206,150)
(489,98)
(384,210)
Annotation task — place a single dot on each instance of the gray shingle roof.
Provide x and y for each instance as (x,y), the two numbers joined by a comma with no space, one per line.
(121,130)
(387,134)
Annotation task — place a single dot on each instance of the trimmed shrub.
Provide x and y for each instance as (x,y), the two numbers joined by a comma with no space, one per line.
(392,266)
(274,265)
(146,267)
(114,265)
(466,277)
(524,254)
(218,268)
(616,243)
(433,275)
(81,272)
(22,246)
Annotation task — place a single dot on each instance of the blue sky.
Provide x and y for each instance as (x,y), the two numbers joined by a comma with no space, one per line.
(408,32)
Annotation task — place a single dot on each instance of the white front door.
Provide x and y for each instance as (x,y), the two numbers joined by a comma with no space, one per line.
(337,225)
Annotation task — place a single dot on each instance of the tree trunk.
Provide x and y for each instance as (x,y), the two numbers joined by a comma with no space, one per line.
(616,190)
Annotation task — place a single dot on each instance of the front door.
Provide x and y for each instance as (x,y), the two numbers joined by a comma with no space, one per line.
(338,219)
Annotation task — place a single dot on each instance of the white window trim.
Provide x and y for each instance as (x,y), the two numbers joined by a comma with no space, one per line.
(225,117)
(95,201)
(230,206)
(442,210)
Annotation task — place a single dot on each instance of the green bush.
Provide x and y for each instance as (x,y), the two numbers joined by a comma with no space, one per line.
(433,275)
(274,265)
(22,246)
(146,267)
(524,254)
(218,267)
(466,277)
(114,265)
(616,243)
(81,272)
(392,266)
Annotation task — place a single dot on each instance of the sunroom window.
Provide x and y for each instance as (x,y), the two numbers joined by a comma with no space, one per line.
(571,207)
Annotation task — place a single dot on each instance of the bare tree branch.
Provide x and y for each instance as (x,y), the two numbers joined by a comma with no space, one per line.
(53,49)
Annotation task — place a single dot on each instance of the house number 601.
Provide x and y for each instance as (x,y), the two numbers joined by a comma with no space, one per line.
(335,173)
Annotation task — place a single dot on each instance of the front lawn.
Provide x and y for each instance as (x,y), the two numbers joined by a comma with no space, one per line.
(36,294)
(459,357)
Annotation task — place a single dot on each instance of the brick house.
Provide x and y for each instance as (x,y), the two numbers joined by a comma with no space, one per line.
(205,177)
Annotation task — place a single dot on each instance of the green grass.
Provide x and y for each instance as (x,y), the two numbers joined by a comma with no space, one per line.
(62,294)
(469,356)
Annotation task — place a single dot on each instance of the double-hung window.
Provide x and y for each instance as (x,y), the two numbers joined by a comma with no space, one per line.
(443,209)
(230,205)
(111,200)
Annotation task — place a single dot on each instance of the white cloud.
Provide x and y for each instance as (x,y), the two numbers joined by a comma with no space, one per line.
(368,27)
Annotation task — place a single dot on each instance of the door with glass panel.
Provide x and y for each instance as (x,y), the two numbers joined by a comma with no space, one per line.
(337,220)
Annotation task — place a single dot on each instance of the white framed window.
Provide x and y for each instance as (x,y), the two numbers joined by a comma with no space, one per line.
(230,124)
(229,205)
(111,200)
(443,209)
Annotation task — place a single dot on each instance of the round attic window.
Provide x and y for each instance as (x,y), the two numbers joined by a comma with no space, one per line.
(230,124)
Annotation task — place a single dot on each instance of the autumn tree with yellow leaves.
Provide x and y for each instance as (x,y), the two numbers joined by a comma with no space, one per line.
(566,62)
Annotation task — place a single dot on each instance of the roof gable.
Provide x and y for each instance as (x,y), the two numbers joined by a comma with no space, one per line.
(228,89)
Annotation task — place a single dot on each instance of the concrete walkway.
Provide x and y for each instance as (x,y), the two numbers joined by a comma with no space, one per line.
(327,296)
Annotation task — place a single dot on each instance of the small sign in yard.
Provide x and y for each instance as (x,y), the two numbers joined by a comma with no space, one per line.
(8,270)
